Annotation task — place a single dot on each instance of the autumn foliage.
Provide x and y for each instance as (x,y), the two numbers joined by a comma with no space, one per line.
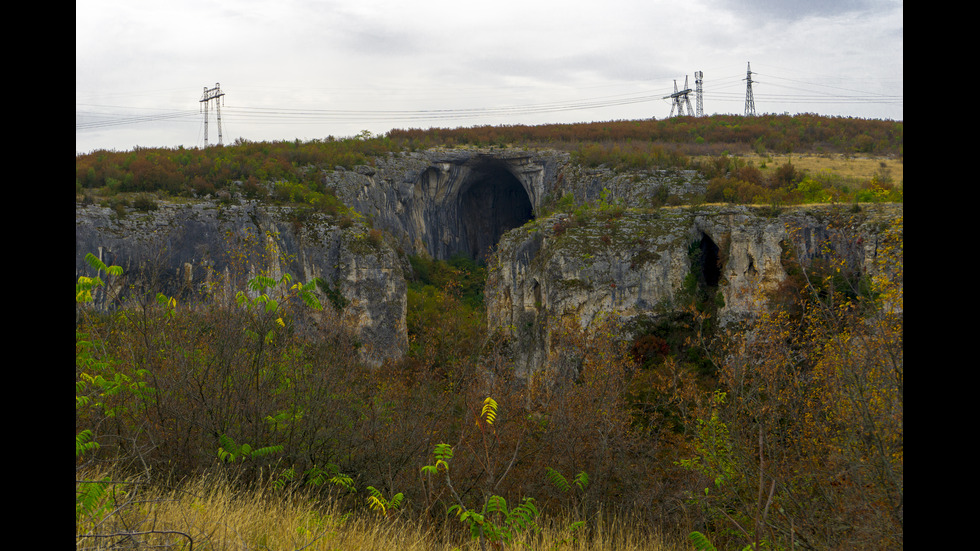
(784,433)
(288,171)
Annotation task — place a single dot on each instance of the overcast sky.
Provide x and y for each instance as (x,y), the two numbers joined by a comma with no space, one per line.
(310,69)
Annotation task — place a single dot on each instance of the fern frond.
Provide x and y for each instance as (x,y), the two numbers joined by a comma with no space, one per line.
(343,481)
(310,300)
(284,478)
(522,517)
(396,500)
(376,504)
(225,456)
(474,516)
(700,541)
(489,412)
(260,283)
(228,443)
(315,476)
(267,450)
(90,498)
(84,287)
(557,479)
(443,452)
(94,262)
(497,504)
(317,283)
(84,443)
(582,480)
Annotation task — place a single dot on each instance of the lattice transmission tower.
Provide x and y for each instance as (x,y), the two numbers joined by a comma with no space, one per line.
(749,100)
(698,93)
(212,94)
(679,98)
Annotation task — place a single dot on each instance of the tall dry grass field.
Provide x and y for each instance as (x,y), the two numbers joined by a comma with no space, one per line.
(847,167)
(211,513)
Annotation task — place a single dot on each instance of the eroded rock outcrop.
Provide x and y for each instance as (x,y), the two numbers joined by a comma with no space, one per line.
(207,251)
(444,203)
(638,264)
(627,254)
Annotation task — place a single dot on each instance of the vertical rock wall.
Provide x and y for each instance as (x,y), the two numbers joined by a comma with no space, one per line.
(206,252)
(635,265)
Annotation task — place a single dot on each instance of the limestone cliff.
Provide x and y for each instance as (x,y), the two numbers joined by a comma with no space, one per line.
(443,203)
(206,251)
(626,254)
(635,264)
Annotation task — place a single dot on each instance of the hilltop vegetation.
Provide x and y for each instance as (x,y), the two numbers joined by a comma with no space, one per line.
(199,425)
(288,171)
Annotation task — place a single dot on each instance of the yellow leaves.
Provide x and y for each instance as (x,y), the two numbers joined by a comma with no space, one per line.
(489,412)
(377,502)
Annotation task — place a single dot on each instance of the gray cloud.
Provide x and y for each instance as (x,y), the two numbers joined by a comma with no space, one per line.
(381,55)
(762,10)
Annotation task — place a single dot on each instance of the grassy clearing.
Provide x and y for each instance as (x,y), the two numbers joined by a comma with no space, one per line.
(209,512)
(847,167)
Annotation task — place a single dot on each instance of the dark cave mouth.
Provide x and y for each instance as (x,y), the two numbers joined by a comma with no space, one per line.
(492,202)
(710,264)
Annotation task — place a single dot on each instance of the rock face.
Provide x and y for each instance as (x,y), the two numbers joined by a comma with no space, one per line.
(206,251)
(623,255)
(636,265)
(450,202)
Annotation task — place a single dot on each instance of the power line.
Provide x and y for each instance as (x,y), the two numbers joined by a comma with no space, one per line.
(90,117)
(105,120)
(310,115)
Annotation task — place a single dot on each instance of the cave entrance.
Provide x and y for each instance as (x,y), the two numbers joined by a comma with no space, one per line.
(710,266)
(491,202)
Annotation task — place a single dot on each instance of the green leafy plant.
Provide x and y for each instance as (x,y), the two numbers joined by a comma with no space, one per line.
(230,451)
(700,541)
(91,500)
(84,443)
(580,483)
(316,476)
(494,521)
(581,480)
(86,286)
(377,502)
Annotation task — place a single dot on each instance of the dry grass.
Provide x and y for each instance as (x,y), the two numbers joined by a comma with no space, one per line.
(847,167)
(209,513)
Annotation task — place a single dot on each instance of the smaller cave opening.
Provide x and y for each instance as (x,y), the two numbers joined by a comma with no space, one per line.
(710,263)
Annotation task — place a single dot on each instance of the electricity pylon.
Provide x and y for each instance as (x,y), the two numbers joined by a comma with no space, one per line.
(749,100)
(212,94)
(679,99)
(698,93)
